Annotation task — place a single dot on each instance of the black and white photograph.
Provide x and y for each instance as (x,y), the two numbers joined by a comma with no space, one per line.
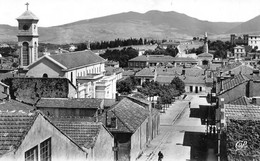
(129,80)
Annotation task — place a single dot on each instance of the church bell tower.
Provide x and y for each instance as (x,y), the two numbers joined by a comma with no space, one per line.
(27,37)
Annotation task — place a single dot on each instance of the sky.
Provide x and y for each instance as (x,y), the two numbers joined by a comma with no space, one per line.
(58,12)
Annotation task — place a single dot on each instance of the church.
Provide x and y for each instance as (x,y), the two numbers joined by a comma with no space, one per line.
(84,69)
(27,38)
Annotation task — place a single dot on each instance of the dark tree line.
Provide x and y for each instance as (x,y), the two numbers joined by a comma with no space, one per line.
(220,48)
(160,51)
(122,56)
(114,44)
(117,43)
(166,93)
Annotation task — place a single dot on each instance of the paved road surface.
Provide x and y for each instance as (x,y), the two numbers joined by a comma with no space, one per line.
(181,137)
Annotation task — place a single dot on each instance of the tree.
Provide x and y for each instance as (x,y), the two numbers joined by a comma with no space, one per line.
(126,86)
(179,84)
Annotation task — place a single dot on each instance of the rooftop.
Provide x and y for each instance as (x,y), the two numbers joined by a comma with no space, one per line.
(77,59)
(81,132)
(91,103)
(231,83)
(145,72)
(240,101)
(129,114)
(13,105)
(206,55)
(14,127)
(242,111)
(27,15)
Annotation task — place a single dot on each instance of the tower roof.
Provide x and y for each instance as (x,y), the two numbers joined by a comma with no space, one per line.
(27,15)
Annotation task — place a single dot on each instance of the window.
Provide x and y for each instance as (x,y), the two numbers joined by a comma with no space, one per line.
(32,154)
(45,150)
(35,51)
(25,54)
(71,77)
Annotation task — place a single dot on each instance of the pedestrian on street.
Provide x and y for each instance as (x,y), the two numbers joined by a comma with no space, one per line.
(160,156)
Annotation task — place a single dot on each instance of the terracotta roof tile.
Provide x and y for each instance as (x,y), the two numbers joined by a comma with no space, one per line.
(77,59)
(13,105)
(206,55)
(13,128)
(130,116)
(82,132)
(242,111)
(70,103)
(240,101)
(231,83)
(146,72)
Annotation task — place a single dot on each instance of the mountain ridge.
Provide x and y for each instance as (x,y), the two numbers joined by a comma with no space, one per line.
(155,24)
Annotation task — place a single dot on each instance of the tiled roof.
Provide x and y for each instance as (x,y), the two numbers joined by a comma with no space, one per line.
(145,72)
(164,79)
(27,15)
(82,132)
(242,111)
(129,114)
(190,60)
(153,58)
(77,59)
(194,72)
(231,66)
(231,83)
(13,105)
(193,80)
(169,71)
(208,55)
(70,102)
(243,69)
(254,77)
(111,70)
(14,127)
(240,101)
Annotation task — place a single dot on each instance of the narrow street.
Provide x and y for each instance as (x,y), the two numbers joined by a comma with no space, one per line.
(181,137)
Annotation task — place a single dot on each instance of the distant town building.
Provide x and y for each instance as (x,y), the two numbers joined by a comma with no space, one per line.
(159,60)
(254,41)
(239,40)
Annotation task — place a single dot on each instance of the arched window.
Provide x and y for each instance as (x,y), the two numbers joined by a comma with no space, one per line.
(25,54)
(45,75)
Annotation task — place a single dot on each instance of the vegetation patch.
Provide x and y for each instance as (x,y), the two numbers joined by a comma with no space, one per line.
(243,140)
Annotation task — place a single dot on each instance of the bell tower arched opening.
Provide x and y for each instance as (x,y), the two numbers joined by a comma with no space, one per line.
(26,56)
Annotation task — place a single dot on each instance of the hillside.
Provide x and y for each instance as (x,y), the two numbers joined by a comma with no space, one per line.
(251,27)
(154,24)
